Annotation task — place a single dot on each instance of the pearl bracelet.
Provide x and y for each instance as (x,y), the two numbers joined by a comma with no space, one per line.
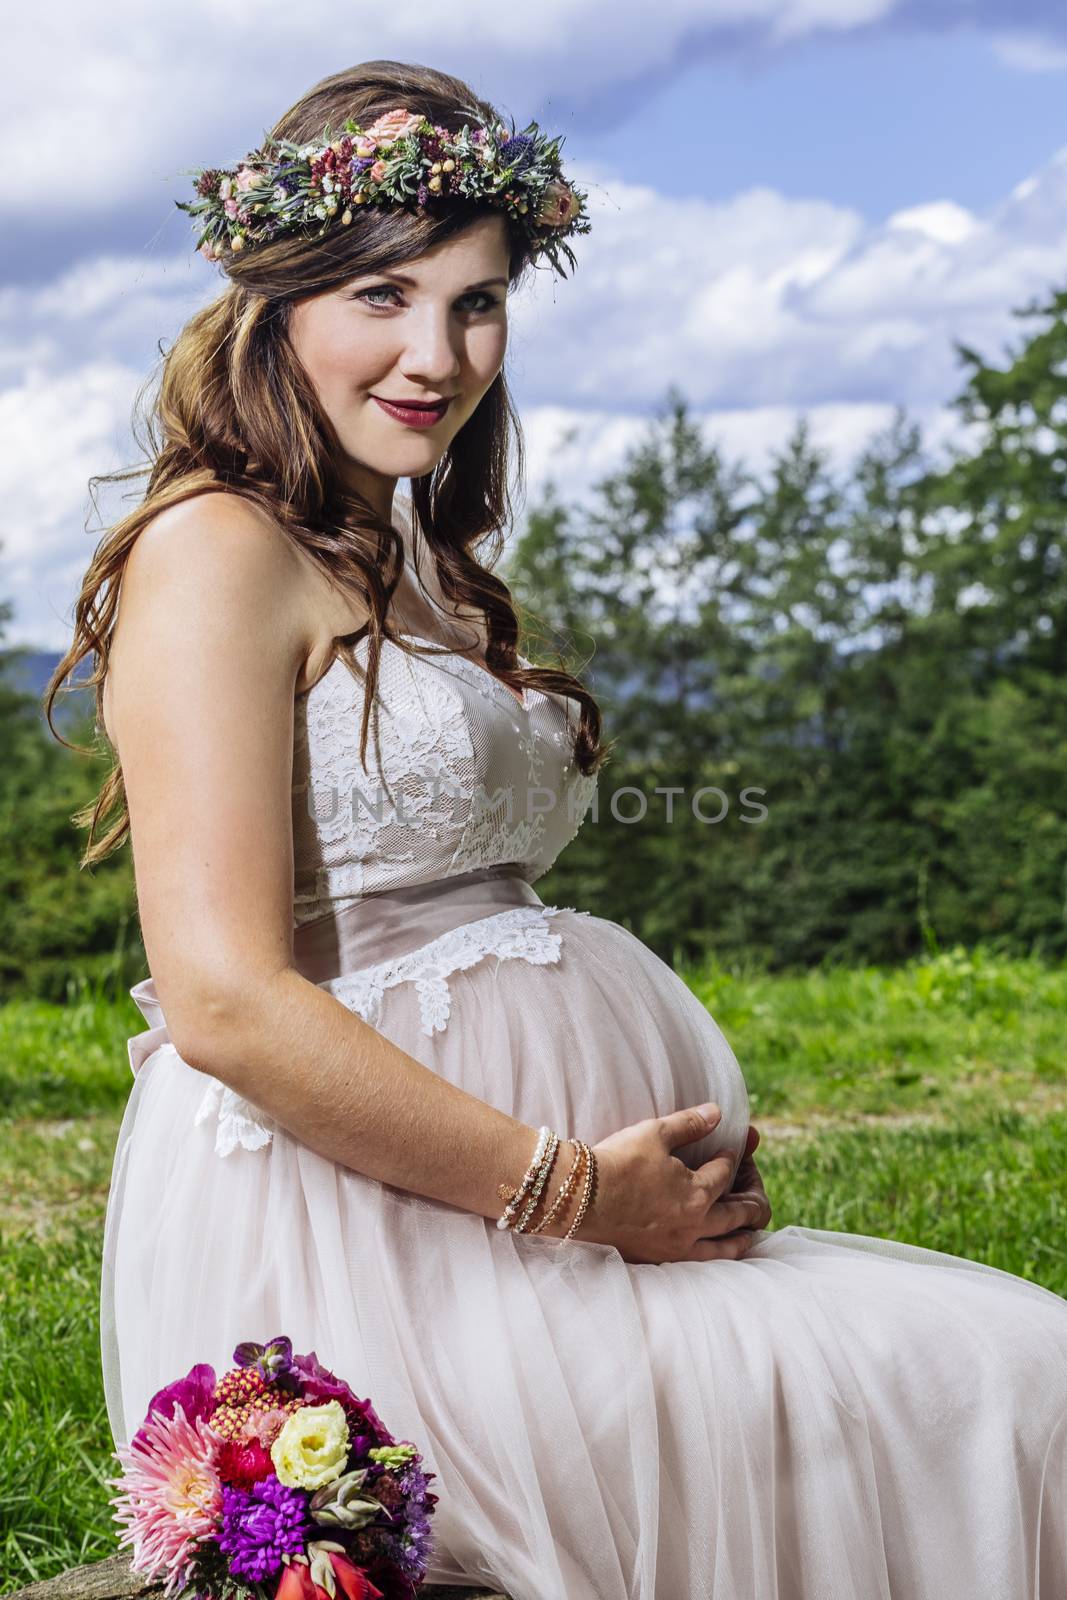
(542,1178)
(543,1137)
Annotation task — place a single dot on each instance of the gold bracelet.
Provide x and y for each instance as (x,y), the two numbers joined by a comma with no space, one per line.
(590,1176)
(565,1190)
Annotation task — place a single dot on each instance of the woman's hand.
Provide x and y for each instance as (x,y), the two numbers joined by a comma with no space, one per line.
(654,1208)
(748,1185)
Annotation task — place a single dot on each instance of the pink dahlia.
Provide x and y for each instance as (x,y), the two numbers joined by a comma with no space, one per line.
(172,1496)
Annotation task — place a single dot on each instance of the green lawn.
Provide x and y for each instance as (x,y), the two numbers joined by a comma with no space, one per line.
(926,1103)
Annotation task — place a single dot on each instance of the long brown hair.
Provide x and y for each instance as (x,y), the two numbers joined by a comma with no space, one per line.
(235,410)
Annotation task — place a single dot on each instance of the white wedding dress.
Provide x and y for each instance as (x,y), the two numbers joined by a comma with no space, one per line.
(833,1417)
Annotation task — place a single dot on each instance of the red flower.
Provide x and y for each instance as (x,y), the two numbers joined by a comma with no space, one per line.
(243,1462)
(296,1582)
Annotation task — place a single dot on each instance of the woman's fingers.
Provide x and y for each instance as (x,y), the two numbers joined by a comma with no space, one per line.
(729,1248)
(729,1218)
(748,1183)
(730,1213)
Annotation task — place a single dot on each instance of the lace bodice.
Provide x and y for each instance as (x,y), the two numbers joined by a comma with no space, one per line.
(461,778)
(467,778)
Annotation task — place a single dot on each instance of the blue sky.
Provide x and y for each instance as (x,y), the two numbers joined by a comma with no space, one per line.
(798,206)
(869,120)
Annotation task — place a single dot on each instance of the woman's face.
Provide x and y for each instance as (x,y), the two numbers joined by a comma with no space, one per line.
(432,329)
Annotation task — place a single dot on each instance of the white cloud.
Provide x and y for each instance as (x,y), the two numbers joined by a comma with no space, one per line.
(798,18)
(943,221)
(1030,52)
(197,83)
(756,308)
(58,430)
(765,300)
(574,449)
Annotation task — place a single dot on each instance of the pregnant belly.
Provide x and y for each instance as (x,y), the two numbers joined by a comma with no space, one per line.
(602,1037)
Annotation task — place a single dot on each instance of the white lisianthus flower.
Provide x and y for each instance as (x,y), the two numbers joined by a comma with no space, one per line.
(312,1447)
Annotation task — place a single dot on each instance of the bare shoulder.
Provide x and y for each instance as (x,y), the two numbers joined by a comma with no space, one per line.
(212,533)
(214,562)
(208,642)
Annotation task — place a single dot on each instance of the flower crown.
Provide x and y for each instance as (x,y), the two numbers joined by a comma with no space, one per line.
(402,159)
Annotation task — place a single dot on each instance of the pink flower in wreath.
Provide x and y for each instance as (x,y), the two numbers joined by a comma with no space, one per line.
(246,177)
(365,146)
(377,172)
(393,125)
(559,205)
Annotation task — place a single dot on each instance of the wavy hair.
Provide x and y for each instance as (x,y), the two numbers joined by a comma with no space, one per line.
(236,411)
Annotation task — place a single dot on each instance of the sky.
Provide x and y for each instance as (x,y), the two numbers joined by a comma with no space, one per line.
(798,207)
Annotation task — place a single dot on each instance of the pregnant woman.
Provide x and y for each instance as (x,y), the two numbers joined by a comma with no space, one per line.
(389,1102)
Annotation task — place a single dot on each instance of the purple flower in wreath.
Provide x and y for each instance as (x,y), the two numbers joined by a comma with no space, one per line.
(517,152)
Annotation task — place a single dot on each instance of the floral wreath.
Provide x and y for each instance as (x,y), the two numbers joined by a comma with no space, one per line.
(402,159)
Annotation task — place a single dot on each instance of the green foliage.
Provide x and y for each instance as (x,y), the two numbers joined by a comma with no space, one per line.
(879,662)
(54,1444)
(63,931)
(838,705)
(939,1035)
(925,1102)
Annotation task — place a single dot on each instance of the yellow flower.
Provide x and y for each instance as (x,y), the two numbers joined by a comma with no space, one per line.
(312,1447)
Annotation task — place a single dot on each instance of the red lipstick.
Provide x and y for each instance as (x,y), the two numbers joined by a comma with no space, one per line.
(414,415)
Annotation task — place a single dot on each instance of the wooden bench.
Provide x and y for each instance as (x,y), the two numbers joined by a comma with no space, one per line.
(113,1580)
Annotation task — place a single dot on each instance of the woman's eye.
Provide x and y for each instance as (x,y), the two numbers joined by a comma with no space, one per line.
(488,300)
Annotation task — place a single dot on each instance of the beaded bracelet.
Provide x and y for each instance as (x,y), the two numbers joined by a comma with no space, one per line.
(568,1184)
(535,1178)
(539,1183)
(519,1195)
(590,1180)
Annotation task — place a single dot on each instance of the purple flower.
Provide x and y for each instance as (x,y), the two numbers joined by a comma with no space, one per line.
(272,1360)
(195,1393)
(517,152)
(411,1547)
(320,1384)
(260,1525)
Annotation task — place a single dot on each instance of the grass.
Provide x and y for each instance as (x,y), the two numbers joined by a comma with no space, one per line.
(926,1103)
(958,1033)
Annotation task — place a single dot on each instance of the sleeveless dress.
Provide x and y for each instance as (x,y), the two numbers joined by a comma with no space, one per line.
(833,1417)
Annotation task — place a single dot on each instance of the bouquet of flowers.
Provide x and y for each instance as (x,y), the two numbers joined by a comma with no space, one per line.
(275,1482)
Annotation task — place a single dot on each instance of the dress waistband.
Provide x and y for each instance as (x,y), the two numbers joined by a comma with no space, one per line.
(381,926)
(391,922)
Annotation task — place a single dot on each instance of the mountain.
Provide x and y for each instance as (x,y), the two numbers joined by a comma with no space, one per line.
(29,670)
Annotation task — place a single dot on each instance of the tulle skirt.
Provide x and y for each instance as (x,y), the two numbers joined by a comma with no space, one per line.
(832,1416)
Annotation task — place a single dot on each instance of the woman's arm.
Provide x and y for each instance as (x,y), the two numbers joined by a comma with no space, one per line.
(215,623)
